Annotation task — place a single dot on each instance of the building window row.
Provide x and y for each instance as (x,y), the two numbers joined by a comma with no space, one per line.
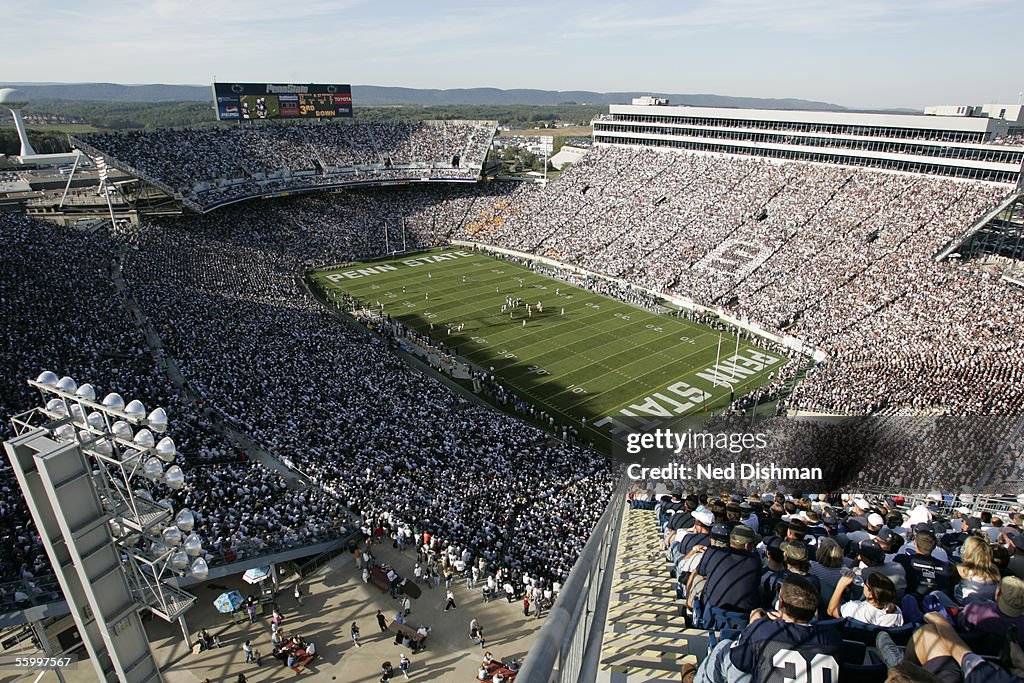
(802,155)
(995,155)
(798,127)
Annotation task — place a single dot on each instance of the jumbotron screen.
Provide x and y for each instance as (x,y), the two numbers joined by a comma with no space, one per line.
(237,101)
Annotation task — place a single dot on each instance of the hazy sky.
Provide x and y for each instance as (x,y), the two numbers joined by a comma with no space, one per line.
(873,53)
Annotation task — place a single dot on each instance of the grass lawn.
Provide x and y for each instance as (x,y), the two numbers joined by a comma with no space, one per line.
(586,357)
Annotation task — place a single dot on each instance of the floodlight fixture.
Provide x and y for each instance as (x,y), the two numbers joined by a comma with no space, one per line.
(128,463)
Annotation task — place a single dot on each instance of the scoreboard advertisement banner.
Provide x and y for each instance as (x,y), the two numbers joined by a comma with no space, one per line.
(238,101)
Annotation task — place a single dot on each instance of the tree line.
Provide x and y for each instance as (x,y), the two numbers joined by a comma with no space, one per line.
(124,115)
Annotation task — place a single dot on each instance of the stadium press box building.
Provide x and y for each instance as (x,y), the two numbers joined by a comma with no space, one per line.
(960,146)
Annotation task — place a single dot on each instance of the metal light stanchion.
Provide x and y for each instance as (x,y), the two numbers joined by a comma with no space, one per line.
(95,477)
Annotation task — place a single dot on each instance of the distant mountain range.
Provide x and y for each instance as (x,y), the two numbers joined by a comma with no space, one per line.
(374,95)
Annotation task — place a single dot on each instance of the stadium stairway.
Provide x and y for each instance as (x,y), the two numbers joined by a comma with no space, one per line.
(645,639)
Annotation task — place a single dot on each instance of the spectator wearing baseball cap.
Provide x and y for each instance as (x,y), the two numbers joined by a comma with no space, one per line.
(875,523)
(863,504)
(797,530)
(731,574)
(857,529)
(698,535)
(688,551)
(797,563)
(889,542)
(871,557)
(996,616)
(861,508)
(719,535)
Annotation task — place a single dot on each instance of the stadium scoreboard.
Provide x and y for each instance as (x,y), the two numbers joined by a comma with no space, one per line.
(238,101)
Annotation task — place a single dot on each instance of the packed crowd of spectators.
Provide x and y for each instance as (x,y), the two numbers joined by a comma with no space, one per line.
(841,258)
(57,304)
(836,578)
(1008,140)
(63,313)
(214,165)
(72,319)
(379,437)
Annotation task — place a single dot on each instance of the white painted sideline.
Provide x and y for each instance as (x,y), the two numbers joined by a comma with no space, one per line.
(787,341)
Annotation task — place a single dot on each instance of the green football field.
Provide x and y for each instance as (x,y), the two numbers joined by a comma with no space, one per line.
(585,357)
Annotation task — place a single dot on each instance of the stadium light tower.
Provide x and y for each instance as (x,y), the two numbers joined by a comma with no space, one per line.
(15,102)
(116,546)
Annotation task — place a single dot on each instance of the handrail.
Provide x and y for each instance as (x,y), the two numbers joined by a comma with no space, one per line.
(947,502)
(566,645)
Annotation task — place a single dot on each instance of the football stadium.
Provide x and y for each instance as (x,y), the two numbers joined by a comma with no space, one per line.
(299,393)
(583,360)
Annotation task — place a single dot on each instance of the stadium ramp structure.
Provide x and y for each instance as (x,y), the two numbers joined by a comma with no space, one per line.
(954,244)
(645,637)
(25,602)
(492,131)
(94,153)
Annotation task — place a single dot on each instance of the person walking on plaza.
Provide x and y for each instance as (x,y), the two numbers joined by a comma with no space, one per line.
(382,621)
(403,665)
(247,649)
(406,606)
(355,634)
(476,634)
(298,593)
(449,601)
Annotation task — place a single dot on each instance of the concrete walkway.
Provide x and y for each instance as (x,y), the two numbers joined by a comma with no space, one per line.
(335,598)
